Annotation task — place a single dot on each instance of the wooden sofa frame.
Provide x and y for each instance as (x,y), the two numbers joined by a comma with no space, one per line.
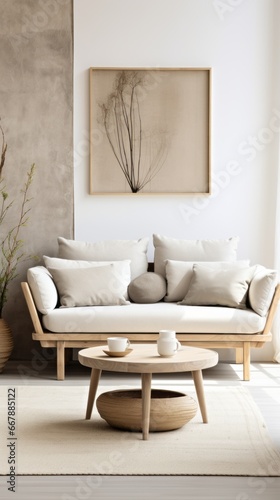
(242,343)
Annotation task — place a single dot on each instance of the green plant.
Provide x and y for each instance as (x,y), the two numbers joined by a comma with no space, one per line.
(11,245)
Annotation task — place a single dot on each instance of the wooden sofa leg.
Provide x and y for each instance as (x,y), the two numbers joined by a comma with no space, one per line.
(60,352)
(239,355)
(246,361)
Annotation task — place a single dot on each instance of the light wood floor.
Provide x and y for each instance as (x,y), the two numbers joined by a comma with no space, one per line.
(264,387)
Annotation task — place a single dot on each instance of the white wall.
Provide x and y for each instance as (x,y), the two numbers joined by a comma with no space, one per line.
(236,39)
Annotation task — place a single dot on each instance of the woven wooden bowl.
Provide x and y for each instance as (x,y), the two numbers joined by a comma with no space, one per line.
(123,409)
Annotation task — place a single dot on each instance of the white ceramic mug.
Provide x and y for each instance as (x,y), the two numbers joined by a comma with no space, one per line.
(167,344)
(118,344)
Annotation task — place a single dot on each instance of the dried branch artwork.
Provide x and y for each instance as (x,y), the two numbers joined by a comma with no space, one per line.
(149,131)
(140,153)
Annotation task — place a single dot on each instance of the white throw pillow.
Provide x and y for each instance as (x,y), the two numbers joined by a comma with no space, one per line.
(223,287)
(192,250)
(262,289)
(43,289)
(179,275)
(133,250)
(91,286)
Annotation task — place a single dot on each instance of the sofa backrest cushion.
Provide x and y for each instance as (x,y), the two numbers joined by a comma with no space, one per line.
(109,250)
(43,289)
(179,275)
(147,288)
(262,289)
(93,286)
(192,250)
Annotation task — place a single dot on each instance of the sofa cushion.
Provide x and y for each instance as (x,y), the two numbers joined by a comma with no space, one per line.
(151,318)
(110,250)
(179,275)
(262,289)
(91,286)
(147,288)
(224,287)
(122,267)
(192,250)
(43,288)
(57,263)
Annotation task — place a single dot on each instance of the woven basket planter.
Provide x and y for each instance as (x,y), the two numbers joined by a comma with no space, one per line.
(169,409)
(6,343)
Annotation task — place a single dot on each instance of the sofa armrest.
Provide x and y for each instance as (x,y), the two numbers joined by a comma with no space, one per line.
(43,289)
(32,308)
(262,289)
(272,310)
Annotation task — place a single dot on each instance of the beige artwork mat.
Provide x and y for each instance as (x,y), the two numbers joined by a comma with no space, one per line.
(150,130)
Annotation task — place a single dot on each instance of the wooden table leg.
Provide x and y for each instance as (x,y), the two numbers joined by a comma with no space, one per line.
(94,380)
(146,403)
(198,382)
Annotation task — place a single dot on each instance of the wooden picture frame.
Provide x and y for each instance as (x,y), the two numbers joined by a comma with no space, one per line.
(150,131)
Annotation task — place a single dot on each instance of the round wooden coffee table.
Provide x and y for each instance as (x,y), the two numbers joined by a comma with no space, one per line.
(144,359)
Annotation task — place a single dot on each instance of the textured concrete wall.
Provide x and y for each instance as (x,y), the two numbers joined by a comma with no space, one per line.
(36,94)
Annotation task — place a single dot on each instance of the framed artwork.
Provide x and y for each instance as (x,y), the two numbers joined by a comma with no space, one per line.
(150,130)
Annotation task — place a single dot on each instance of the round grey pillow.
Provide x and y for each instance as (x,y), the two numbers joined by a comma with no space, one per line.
(147,288)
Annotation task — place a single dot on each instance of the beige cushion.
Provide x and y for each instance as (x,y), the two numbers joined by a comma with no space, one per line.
(147,288)
(133,250)
(179,275)
(262,289)
(122,267)
(91,286)
(42,288)
(57,263)
(225,287)
(192,250)
(150,318)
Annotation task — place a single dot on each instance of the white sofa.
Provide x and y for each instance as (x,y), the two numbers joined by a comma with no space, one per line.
(197,288)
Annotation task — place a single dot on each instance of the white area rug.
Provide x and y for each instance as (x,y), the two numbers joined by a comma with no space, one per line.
(54,438)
